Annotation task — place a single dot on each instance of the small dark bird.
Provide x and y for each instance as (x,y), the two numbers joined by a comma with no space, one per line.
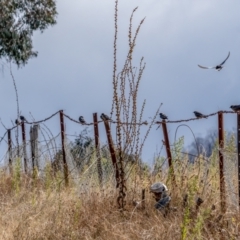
(17,122)
(163,116)
(81,120)
(218,67)
(22,118)
(199,115)
(105,117)
(235,108)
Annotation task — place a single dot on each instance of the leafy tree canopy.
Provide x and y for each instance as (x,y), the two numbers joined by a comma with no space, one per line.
(18,20)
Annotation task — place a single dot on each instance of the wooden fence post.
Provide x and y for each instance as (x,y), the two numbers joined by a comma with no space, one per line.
(65,166)
(24,147)
(238,145)
(97,146)
(168,150)
(34,145)
(112,151)
(221,160)
(10,151)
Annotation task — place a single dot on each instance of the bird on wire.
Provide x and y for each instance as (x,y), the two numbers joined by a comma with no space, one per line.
(17,122)
(81,120)
(163,116)
(105,117)
(218,67)
(199,115)
(22,118)
(235,108)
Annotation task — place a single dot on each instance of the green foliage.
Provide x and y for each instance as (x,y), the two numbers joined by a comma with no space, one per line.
(177,148)
(18,20)
(190,204)
(158,163)
(82,149)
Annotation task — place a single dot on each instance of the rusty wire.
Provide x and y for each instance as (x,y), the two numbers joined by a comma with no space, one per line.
(27,122)
(193,119)
(114,122)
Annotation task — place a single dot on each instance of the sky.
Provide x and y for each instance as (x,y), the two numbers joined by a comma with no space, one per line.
(73,70)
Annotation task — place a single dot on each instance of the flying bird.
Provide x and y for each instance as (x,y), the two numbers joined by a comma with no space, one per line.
(218,67)
(81,120)
(235,108)
(105,117)
(199,115)
(22,118)
(163,116)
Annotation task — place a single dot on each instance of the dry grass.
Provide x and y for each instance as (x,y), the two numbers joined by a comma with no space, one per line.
(43,209)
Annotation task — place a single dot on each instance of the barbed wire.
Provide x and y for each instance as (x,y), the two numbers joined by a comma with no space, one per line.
(44,120)
(114,122)
(193,119)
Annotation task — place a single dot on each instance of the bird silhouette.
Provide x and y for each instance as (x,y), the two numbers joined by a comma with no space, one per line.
(235,108)
(17,122)
(81,120)
(163,116)
(105,117)
(218,67)
(22,118)
(199,115)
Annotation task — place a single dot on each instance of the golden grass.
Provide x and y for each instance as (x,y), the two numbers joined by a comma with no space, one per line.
(37,209)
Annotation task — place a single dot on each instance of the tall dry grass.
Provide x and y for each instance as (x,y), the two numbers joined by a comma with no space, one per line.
(42,208)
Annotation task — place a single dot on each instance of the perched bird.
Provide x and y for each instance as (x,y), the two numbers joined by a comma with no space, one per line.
(218,67)
(199,115)
(22,118)
(235,108)
(105,117)
(17,122)
(163,116)
(81,120)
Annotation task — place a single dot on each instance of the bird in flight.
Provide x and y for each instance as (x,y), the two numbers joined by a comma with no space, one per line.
(163,116)
(235,108)
(199,115)
(218,67)
(81,120)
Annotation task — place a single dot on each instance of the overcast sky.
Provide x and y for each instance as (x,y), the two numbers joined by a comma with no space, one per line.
(73,70)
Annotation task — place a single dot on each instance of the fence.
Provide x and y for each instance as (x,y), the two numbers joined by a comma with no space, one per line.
(68,166)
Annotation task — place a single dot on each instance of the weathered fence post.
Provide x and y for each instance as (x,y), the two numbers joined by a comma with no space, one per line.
(34,145)
(96,136)
(238,139)
(168,150)
(221,160)
(143,198)
(10,151)
(24,147)
(65,166)
(112,151)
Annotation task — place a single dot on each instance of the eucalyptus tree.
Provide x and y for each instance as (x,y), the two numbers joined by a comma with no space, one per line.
(19,19)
